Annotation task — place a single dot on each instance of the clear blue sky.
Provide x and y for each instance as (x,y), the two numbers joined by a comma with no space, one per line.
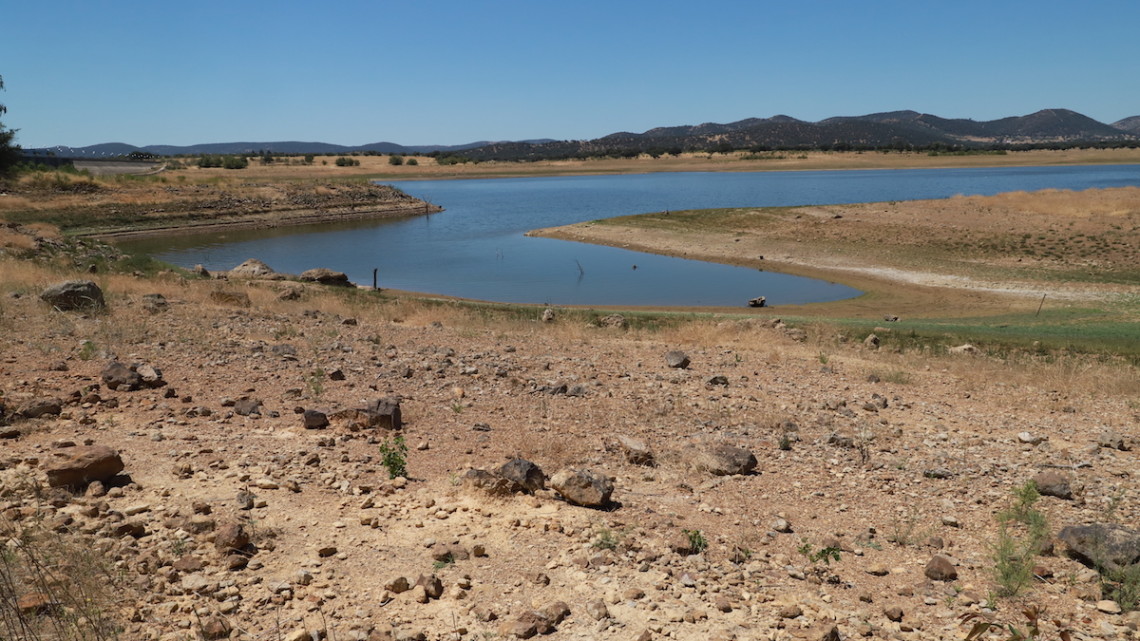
(80,72)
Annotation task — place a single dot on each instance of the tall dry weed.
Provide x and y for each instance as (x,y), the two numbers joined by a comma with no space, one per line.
(55,586)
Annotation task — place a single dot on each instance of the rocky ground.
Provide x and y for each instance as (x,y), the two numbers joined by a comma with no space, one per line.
(765,482)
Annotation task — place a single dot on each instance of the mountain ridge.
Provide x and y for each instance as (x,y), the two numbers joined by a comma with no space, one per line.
(904,129)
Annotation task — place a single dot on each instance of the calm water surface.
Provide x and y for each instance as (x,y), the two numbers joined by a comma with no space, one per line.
(476,248)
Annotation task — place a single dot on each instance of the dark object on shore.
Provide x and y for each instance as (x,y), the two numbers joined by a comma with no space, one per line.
(759,301)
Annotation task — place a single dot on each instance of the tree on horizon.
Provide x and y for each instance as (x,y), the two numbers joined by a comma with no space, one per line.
(9,151)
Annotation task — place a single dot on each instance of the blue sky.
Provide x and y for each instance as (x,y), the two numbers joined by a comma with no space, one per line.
(450,72)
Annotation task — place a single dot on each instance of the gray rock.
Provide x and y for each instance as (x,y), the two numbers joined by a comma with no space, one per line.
(247,406)
(231,537)
(1053,483)
(1113,441)
(74,294)
(490,483)
(37,407)
(226,297)
(82,465)
(525,474)
(252,268)
(677,359)
(721,459)
(583,487)
(1104,545)
(613,321)
(154,303)
(939,568)
(118,376)
(636,450)
(326,276)
(315,420)
(385,413)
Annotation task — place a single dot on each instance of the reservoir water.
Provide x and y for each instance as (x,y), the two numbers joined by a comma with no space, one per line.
(476,247)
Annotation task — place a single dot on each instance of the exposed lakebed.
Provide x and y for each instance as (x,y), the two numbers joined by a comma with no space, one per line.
(476,248)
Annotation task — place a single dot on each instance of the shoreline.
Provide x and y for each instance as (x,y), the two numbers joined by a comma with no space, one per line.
(267,220)
(905,264)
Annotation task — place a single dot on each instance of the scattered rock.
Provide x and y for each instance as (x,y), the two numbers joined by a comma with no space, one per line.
(247,406)
(1053,483)
(252,268)
(154,303)
(939,568)
(74,295)
(82,465)
(636,450)
(37,407)
(315,419)
(1102,544)
(528,476)
(232,298)
(119,376)
(721,459)
(1112,440)
(613,321)
(231,537)
(326,276)
(1108,607)
(677,359)
(583,487)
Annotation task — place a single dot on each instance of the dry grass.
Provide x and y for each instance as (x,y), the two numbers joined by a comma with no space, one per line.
(55,585)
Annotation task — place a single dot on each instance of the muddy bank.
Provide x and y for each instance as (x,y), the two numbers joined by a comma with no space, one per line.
(268,221)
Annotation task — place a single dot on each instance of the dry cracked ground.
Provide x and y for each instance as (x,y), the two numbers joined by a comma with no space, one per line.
(767,483)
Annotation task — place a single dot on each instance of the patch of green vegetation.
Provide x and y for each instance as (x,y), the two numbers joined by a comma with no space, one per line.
(1073,330)
(1015,555)
(394,457)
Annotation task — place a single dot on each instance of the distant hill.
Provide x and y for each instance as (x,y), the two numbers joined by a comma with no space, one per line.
(1130,124)
(908,130)
(282,147)
(889,130)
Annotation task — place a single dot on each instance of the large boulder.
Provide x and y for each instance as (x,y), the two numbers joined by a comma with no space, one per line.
(128,378)
(1054,483)
(1104,545)
(74,294)
(252,268)
(325,276)
(40,406)
(721,459)
(525,474)
(583,487)
(636,450)
(82,465)
(383,413)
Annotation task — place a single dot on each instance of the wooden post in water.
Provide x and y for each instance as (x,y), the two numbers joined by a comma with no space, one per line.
(374,284)
(1040,304)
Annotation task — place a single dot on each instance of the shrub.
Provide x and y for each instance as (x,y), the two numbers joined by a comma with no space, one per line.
(395,160)
(394,457)
(1013,556)
(235,162)
(697,541)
